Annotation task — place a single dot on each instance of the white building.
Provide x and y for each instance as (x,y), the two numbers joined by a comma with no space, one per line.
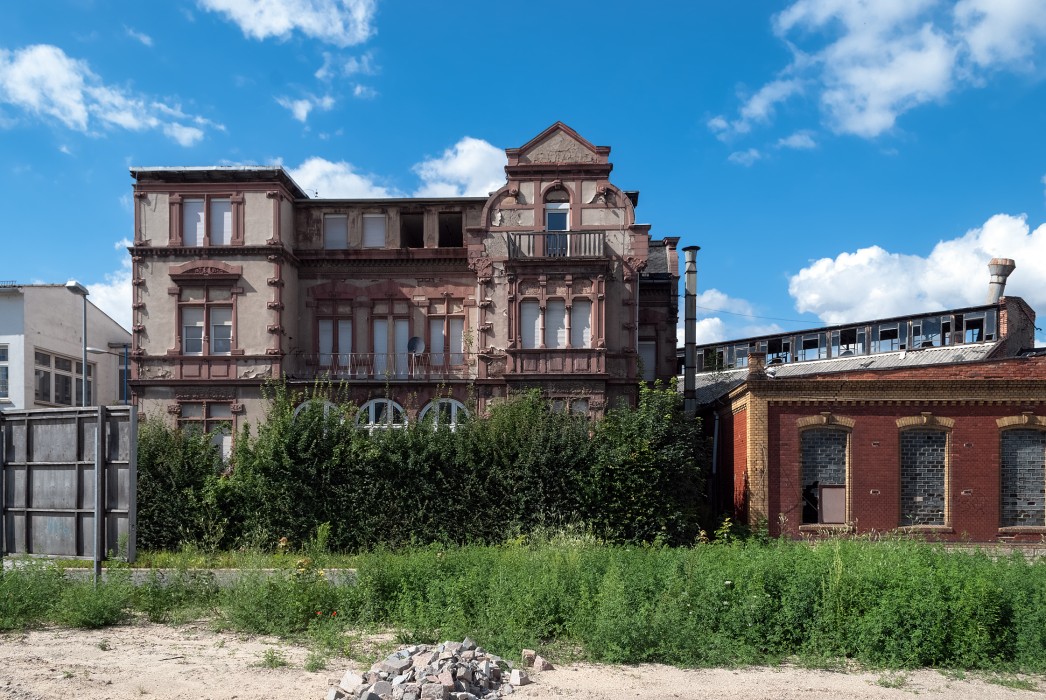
(41,351)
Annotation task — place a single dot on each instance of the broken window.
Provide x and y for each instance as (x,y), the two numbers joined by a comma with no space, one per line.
(779,349)
(412,230)
(451,230)
(823,452)
(889,337)
(926,332)
(974,328)
(848,342)
(813,347)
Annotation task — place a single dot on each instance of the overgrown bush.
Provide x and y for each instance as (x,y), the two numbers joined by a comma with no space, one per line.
(635,476)
(177,487)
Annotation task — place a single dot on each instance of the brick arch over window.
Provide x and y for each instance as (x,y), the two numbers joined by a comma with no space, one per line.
(824,453)
(924,444)
(1022,479)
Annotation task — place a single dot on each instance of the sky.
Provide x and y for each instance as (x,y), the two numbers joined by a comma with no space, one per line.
(836,160)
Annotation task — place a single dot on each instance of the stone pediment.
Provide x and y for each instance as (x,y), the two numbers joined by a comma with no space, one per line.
(205,269)
(559,145)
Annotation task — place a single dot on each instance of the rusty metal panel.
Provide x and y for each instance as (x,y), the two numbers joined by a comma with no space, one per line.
(52,461)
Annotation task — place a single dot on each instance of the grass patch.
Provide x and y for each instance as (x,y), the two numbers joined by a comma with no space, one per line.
(892,680)
(272,658)
(1014,682)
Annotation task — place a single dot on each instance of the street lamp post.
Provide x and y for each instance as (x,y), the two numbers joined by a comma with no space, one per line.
(77,288)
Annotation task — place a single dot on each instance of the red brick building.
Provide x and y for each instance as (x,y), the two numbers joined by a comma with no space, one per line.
(945,436)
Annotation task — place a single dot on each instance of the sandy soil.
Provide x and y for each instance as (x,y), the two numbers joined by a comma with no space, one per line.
(151,661)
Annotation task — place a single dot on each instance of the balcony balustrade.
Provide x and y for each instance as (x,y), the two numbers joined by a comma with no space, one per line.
(396,366)
(556,244)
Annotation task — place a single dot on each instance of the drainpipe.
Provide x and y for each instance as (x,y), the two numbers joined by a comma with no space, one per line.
(690,331)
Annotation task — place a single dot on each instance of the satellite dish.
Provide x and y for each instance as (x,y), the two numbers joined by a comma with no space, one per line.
(416,345)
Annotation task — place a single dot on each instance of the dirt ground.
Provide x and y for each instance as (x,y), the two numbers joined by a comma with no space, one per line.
(145,661)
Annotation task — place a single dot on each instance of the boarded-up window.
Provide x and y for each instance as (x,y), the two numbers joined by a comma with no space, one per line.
(373,230)
(335,232)
(1023,478)
(923,456)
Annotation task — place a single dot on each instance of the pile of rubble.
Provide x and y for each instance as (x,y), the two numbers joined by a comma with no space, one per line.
(448,671)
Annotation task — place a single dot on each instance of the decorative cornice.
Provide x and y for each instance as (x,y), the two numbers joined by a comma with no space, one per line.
(926,419)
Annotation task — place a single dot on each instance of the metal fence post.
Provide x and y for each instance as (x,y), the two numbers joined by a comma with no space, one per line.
(99,493)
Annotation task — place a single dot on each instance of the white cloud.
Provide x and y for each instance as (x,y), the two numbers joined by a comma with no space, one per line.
(875,283)
(114,295)
(65,149)
(145,39)
(336,66)
(800,140)
(471,168)
(867,62)
(709,330)
(1044,183)
(337,22)
(1000,31)
(364,92)
(301,108)
(745,158)
(339,180)
(43,81)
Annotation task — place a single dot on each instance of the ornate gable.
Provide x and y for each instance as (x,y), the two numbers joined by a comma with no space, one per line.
(558,145)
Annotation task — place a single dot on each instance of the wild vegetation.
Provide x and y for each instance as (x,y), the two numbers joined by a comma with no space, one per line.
(634,476)
(528,528)
(891,604)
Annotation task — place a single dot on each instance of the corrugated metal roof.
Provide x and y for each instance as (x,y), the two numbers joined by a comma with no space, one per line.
(712,385)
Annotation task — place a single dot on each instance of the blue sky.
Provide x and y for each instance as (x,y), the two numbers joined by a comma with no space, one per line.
(836,160)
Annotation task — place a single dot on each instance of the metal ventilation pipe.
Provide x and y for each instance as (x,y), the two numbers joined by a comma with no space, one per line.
(1000,269)
(690,331)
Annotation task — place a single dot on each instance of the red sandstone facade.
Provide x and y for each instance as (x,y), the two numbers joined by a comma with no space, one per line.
(401,305)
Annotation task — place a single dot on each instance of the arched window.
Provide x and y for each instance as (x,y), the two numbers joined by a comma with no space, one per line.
(444,413)
(557,218)
(318,403)
(381,414)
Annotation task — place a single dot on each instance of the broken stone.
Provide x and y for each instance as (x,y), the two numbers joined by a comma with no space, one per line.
(433,691)
(395,665)
(381,688)
(351,682)
(528,657)
(541,664)
(518,678)
(335,693)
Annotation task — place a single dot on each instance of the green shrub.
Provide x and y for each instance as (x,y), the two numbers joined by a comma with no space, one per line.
(84,604)
(27,592)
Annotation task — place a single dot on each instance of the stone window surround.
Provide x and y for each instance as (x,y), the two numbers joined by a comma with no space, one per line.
(175,202)
(926,420)
(1027,419)
(827,419)
(542,297)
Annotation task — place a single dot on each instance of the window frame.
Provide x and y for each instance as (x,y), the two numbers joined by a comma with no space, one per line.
(5,372)
(364,242)
(945,520)
(331,217)
(456,407)
(334,312)
(54,370)
(393,409)
(211,424)
(178,223)
(440,311)
(206,305)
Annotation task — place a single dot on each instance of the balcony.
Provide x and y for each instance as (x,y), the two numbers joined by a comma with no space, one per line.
(380,367)
(557,361)
(556,244)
